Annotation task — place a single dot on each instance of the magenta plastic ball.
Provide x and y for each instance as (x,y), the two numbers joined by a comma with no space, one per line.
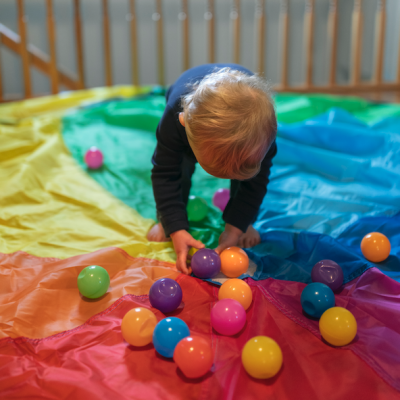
(94,158)
(329,273)
(206,263)
(221,198)
(228,317)
(165,295)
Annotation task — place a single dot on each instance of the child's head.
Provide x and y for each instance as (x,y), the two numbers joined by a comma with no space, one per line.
(230,123)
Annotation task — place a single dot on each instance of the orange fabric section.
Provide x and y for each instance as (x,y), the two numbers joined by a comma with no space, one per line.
(39,296)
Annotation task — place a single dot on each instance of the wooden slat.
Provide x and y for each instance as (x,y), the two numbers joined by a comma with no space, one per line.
(284,26)
(211,31)
(342,89)
(24,50)
(332,37)
(158,17)
(52,48)
(134,47)
(107,45)
(356,42)
(184,16)
(309,40)
(380,27)
(37,58)
(235,15)
(260,34)
(79,45)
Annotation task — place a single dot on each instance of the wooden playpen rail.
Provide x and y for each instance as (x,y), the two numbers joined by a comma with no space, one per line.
(32,56)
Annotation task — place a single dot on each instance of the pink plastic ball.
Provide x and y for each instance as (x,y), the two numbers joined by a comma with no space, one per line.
(228,317)
(94,158)
(221,198)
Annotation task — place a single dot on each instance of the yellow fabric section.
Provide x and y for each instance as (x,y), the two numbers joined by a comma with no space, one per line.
(49,206)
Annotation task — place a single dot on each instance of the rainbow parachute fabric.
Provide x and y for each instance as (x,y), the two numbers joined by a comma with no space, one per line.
(336,177)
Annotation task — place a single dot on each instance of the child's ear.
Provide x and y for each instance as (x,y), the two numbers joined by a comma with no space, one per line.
(182,119)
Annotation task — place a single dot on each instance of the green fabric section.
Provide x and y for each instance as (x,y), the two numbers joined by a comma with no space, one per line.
(124,131)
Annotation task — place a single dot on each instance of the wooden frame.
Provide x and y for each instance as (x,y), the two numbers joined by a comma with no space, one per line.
(33,57)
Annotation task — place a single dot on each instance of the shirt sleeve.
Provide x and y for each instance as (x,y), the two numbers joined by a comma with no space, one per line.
(243,207)
(167,173)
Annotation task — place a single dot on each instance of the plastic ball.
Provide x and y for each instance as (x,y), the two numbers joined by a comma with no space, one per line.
(138,325)
(94,158)
(338,326)
(206,263)
(238,290)
(316,298)
(93,281)
(197,208)
(194,356)
(262,357)
(165,295)
(228,317)
(167,334)
(234,262)
(329,273)
(375,247)
(221,198)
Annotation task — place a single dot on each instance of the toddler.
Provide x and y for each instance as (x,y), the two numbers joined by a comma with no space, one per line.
(221,116)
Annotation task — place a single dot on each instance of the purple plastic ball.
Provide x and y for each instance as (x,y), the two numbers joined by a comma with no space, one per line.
(221,198)
(165,295)
(206,263)
(329,273)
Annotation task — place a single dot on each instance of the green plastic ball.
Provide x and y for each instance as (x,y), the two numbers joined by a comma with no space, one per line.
(197,208)
(93,281)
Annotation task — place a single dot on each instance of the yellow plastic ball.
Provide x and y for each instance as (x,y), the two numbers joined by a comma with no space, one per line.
(238,290)
(338,326)
(138,325)
(375,247)
(262,357)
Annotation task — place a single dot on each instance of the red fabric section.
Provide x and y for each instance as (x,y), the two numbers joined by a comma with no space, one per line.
(93,362)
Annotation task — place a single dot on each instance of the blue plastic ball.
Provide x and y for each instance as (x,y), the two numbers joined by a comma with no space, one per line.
(165,295)
(316,298)
(167,334)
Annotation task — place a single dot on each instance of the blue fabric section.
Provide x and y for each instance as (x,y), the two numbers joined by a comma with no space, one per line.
(330,171)
(291,256)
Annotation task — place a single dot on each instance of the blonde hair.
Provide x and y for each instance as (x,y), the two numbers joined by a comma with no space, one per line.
(230,120)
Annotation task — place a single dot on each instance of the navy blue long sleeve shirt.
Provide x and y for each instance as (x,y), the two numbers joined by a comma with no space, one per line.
(173,144)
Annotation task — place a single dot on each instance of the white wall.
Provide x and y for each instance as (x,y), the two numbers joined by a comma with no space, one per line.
(119,14)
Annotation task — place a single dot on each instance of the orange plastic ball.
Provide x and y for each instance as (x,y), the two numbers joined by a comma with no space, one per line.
(375,247)
(234,262)
(238,290)
(194,356)
(138,325)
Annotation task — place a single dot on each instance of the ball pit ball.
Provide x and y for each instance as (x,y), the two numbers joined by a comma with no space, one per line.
(221,198)
(93,282)
(228,317)
(234,262)
(197,208)
(194,356)
(138,325)
(238,290)
(316,298)
(94,158)
(167,334)
(262,357)
(165,295)
(329,273)
(375,247)
(206,263)
(338,326)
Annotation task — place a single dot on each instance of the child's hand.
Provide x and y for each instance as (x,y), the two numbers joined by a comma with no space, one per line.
(229,237)
(183,241)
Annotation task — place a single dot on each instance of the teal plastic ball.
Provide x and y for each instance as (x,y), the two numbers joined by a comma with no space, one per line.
(93,281)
